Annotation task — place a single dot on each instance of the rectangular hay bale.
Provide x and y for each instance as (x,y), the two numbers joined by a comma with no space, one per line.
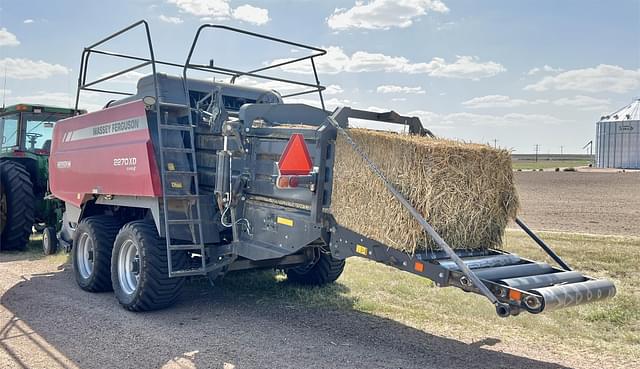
(465,191)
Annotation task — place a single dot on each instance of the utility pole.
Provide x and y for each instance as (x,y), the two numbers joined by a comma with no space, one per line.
(495,143)
(561,150)
(537,150)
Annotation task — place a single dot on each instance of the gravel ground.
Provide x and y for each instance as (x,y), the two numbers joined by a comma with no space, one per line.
(598,203)
(46,321)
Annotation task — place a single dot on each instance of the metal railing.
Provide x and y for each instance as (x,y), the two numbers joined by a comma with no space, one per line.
(150,60)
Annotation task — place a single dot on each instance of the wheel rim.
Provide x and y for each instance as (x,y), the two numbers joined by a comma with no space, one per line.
(85,254)
(45,240)
(4,211)
(129,267)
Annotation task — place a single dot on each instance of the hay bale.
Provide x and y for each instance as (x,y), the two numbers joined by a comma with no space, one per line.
(466,191)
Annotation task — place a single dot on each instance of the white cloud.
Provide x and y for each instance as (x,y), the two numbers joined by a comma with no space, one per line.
(7,38)
(383,14)
(168,19)
(336,61)
(499,101)
(215,9)
(545,68)
(431,119)
(333,90)
(209,10)
(127,78)
(465,67)
(281,87)
(19,68)
(330,104)
(88,101)
(393,89)
(28,21)
(603,78)
(251,14)
(61,99)
(584,102)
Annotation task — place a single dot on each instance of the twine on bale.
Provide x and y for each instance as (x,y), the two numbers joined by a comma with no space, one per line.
(466,191)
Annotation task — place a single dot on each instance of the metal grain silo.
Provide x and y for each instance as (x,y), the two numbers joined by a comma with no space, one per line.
(618,138)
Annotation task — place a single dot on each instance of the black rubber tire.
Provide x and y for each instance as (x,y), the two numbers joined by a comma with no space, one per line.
(154,289)
(49,241)
(325,270)
(102,230)
(18,189)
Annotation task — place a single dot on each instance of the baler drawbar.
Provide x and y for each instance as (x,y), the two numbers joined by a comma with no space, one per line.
(192,177)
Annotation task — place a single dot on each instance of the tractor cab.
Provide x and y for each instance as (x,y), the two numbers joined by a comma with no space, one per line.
(28,128)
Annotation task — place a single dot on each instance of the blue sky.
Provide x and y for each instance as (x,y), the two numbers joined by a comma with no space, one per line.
(520,72)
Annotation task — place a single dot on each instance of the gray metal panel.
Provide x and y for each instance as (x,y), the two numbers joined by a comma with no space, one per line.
(618,144)
(283,113)
(270,237)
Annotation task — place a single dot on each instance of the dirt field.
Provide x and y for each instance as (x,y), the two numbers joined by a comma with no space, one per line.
(599,203)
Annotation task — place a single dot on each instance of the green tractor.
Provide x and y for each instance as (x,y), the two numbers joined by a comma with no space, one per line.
(26,131)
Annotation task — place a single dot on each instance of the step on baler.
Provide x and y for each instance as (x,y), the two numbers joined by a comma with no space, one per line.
(190,177)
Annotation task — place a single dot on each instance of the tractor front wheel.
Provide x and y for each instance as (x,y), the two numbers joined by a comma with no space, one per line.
(17,206)
(140,271)
(49,241)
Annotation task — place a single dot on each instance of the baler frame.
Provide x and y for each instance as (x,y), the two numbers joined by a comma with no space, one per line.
(497,275)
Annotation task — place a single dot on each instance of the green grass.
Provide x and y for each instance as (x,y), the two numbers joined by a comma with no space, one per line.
(608,329)
(547,164)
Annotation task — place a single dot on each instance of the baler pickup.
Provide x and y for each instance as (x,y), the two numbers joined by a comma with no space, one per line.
(518,284)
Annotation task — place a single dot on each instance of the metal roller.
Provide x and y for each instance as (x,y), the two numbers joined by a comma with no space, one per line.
(543,280)
(512,271)
(557,297)
(483,261)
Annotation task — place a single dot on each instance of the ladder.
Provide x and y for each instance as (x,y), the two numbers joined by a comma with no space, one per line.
(180,188)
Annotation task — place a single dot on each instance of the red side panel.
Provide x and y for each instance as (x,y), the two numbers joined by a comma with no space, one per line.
(105,152)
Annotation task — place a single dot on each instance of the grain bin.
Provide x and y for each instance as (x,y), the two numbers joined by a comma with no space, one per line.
(618,138)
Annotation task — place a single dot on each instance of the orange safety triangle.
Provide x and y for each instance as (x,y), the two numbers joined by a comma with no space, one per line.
(295,159)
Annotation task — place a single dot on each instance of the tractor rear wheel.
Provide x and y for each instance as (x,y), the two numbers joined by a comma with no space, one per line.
(17,206)
(140,271)
(92,244)
(325,270)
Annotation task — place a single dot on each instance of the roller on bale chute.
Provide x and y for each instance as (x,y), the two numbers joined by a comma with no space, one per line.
(188,177)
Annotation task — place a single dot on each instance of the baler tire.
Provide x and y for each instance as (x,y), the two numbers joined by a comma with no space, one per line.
(153,288)
(17,190)
(325,270)
(101,231)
